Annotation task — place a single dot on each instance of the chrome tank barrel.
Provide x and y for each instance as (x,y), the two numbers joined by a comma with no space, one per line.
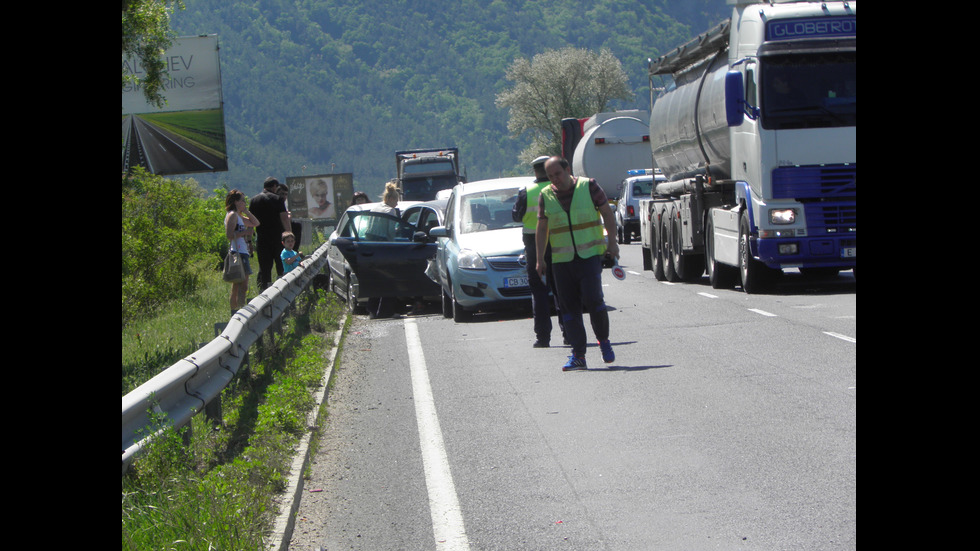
(682,139)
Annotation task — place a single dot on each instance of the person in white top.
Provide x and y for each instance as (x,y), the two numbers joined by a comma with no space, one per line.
(238,228)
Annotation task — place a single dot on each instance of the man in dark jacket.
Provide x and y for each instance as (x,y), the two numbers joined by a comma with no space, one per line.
(273,220)
(543,293)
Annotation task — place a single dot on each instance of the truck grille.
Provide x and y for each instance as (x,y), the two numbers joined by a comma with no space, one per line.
(828,194)
(832,218)
(814,182)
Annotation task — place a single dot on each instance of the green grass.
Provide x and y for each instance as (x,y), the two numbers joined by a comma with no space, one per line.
(153,344)
(213,487)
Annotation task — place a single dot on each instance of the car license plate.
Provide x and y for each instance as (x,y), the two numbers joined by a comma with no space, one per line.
(848,252)
(515,282)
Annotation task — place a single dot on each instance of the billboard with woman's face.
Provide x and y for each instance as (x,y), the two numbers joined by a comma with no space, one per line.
(317,197)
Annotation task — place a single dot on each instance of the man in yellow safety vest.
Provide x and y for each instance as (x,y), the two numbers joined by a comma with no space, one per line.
(572,213)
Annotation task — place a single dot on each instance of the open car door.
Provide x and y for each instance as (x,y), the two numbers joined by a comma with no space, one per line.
(387,255)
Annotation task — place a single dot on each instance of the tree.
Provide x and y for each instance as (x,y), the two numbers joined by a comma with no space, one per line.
(558,84)
(146,35)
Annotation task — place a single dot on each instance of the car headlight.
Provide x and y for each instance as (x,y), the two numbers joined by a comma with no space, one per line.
(782,216)
(470,260)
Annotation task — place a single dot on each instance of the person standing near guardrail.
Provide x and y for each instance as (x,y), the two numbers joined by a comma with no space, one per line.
(272,210)
(238,228)
(290,257)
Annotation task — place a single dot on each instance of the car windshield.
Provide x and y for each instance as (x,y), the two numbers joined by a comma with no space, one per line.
(377,226)
(488,210)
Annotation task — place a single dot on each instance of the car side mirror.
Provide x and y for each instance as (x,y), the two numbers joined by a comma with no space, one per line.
(341,242)
(439,231)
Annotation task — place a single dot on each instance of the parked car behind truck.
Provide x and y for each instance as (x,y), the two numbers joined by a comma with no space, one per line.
(637,185)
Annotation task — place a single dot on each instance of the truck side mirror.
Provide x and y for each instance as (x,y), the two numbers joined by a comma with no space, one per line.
(736,107)
(734,98)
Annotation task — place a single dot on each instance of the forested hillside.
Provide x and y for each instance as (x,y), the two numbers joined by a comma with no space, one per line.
(339,85)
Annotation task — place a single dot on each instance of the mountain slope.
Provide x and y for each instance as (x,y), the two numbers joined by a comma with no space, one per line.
(339,85)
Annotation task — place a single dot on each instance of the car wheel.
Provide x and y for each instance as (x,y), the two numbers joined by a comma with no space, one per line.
(331,283)
(459,314)
(352,296)
(447,305)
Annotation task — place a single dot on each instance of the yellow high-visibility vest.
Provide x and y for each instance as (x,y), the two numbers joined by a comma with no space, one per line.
(531,214)
(578,231)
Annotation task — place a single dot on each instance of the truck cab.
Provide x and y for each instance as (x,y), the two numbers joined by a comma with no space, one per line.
(423,173)
(637,185)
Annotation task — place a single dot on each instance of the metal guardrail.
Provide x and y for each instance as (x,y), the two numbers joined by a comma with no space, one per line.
(183,390)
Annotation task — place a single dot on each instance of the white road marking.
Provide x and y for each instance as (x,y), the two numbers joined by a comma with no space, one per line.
(447,518)
(763,312)
(841,337)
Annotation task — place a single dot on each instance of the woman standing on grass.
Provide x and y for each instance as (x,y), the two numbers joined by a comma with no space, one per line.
(238,228)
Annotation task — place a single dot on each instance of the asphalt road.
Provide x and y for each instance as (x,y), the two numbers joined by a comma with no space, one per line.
(727,421)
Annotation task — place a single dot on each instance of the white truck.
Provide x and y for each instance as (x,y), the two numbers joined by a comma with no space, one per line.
(606,145)
(757,138)
(423,173)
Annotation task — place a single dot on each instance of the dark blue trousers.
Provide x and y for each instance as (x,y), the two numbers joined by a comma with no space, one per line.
(543,293)
(579,285)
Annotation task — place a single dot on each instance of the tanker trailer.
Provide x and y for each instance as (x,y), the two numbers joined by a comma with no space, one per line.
(609,145)
(757,138)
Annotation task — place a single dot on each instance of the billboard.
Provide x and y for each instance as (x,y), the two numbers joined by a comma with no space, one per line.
(187,135)
(321,198)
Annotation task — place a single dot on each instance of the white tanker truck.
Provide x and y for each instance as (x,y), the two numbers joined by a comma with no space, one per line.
(757,138)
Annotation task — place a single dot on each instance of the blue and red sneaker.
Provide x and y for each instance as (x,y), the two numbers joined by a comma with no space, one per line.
(608,355)
(574,364)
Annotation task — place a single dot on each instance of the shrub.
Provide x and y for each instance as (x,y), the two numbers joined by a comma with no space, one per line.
(170,232)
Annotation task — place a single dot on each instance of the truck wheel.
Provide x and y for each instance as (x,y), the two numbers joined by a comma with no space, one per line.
(656,255)
(688,267)
(666,249)
(721,276)
(756,276)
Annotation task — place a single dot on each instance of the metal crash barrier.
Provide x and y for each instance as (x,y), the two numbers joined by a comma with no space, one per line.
(184,389)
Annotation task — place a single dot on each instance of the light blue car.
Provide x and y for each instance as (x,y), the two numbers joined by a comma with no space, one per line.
(480,261)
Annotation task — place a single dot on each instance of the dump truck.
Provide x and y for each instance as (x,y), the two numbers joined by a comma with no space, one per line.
(422,173)
(756,135)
